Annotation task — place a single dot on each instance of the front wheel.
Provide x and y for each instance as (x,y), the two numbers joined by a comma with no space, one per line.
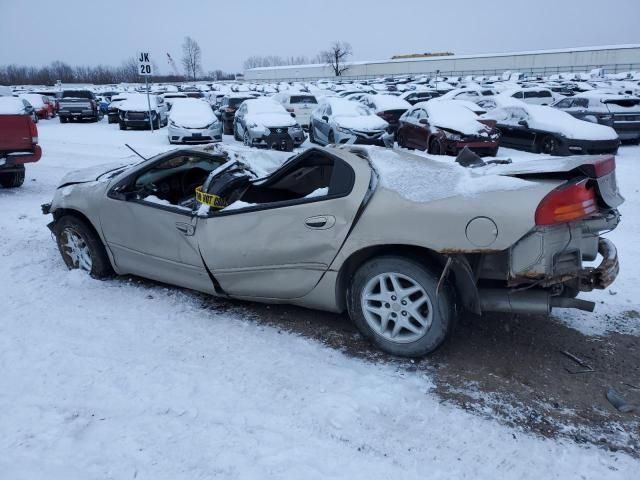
(434,147)
(395,304)
(81,247)
(246,139)
(549,145)
(12,179)
(123,126)
(236,135)
(312,138)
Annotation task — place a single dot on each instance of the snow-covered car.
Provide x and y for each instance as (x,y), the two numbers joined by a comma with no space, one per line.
(388,107)
(192,121)
(543,129)
(417,96)
(226,112)
(445,127)
(301,104)
(351,228)
(113,114)
(530,95)
(169,97)
(40,104)
(622,112)
(265,123)
(338,120)
(134,112)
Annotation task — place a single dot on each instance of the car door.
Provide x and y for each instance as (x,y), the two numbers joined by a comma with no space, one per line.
(281,250)
(521,136)
(152,239)
(422,130)
(322,125)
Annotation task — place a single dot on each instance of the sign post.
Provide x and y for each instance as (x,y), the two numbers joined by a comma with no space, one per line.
(145,68)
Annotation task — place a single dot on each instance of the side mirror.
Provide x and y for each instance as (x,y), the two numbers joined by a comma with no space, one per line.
(423,121)
(523,123)
(325,118)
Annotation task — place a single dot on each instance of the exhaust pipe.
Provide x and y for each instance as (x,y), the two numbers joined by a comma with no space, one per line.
(538,302)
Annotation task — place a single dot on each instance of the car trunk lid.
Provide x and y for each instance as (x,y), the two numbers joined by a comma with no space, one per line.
(600,169)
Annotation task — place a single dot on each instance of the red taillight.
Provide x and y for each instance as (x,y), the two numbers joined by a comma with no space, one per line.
(566,204)
(34,133)
(290,110)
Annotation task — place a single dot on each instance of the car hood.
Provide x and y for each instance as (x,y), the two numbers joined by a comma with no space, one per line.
(365,122)
(270,119)
(92,174)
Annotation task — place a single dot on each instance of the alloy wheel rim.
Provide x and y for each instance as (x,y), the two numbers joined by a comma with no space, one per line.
(397,307)
(76,249)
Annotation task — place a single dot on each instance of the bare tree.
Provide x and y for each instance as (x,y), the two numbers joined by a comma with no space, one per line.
(274,61)
(191,57)
(336,57)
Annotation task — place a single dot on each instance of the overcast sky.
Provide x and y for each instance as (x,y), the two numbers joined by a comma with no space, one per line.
(90,32)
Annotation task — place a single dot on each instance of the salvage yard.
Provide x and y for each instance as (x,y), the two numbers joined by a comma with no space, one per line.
(127,378)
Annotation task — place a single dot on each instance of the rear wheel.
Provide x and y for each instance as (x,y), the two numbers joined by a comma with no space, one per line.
(123,126)
(435,148)
(12,179)
(549,145)
(236,135)
(81,248)
(394,302)
(63,120)
(332,138)
(312,139)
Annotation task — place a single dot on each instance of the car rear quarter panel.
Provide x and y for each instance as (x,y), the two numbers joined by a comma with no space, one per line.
(441,225)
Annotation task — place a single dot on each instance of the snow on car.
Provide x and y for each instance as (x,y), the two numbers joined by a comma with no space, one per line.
(265,123)
(548,130)
(445,127)
(388,107)
(192,120)
(339,121)
(134,112)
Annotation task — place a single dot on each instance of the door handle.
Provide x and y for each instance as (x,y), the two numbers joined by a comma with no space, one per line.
(320,222)
(186,228)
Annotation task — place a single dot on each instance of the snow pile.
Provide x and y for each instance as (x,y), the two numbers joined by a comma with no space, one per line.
(426,179)
(192,113)
(11,106)
(238,204)
(139,103)
(320,192)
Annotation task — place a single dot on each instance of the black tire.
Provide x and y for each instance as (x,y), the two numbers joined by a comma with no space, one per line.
(434,147)
(111,120)
(312,139)
(331,139)
(123,126)
(63,120)
(72,225)
(442,310)
(156,124)
(401,141)
(246,140)
(12,179)
(236,136)
(549,145)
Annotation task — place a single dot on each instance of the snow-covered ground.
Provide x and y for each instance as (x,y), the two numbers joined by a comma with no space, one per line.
(120,379)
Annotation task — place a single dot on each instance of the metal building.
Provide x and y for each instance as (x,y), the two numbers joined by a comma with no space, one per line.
(612,59)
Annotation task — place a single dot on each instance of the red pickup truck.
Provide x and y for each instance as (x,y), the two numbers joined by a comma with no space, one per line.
(18,145)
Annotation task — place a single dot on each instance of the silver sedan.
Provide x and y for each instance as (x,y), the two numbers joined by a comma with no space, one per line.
(401,242)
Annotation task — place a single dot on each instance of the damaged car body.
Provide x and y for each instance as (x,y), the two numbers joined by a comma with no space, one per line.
(389,236)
